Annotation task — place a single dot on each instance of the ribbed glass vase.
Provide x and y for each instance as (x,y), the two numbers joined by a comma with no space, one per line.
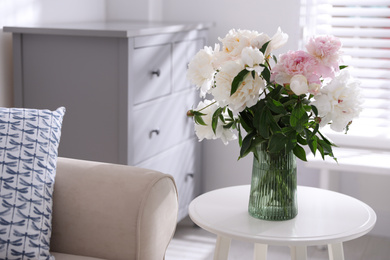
(273,194)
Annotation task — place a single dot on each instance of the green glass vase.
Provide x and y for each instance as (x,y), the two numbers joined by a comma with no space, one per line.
(273,193)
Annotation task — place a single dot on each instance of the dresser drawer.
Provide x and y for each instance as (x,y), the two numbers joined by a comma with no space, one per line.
(162,124)
(182,162)
(152,72)
(182,53)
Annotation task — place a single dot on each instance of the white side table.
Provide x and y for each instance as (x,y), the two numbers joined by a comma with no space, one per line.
(324,218)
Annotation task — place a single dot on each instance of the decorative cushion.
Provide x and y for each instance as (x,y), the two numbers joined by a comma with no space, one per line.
(29,140)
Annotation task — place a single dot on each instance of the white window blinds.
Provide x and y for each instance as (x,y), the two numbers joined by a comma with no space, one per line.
(364,29)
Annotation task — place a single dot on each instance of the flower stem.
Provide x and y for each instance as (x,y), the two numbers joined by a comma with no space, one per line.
(207,106)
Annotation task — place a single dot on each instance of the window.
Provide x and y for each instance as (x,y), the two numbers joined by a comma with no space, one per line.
(364,29)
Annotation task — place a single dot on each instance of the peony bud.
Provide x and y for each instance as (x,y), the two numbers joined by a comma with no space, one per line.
(298,84)
(190,113)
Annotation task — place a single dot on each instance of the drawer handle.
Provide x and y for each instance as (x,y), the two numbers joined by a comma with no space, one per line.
(156,72)
(154,131)
(189,175)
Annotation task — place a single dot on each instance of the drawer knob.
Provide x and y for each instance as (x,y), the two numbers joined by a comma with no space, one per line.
(154,131)
(189,175)
(156,72)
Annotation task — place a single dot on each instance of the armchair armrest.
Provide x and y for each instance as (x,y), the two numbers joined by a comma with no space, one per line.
(112,211)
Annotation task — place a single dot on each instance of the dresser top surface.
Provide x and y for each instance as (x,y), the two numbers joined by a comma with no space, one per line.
(108,29)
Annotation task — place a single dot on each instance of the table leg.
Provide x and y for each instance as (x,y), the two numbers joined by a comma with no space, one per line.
(324,179)
(260,252)
(298,252)
(336,251)
(222,248)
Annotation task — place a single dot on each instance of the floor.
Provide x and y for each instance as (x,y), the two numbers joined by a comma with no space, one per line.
(193,243)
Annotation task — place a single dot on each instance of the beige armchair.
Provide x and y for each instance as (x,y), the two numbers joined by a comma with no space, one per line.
(109,211)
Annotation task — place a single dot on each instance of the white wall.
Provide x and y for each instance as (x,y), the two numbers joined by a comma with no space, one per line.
(134,10)
(261,15)
(13,12)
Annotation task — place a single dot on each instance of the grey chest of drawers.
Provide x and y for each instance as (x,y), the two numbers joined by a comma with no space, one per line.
(124,88)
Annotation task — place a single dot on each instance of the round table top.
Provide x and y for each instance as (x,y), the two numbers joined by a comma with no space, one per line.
(324,217)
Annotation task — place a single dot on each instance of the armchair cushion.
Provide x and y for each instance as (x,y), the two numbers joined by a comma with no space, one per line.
(29,140)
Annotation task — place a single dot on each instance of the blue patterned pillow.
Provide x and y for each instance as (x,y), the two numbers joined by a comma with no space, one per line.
(29,140)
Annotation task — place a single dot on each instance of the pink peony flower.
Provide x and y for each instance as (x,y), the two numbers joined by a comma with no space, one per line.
(326,49)
(295,63)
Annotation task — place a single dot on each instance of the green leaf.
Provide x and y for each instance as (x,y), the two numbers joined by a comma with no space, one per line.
(263,126)
(246,144)
(316,129)
(300,152)
(275,59)
(298,117)
(246,121)
(343,67)
(326,140)
(229,125)
(285,120)
(197,113)
(301,140)
(315,110)
(307,108)
(275,128)
(239,136)
(312,143)
(312,139)
(222,118)
(230,113)
(264,47)
(266,74)
(277,142)
(327,147)
(321,150)
(214,120)
(291,135)
(276,106)
(199,120)
(275,93)
(238,80)
(308,134)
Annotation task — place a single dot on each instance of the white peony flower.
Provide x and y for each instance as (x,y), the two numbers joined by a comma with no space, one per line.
(220,57)
(206,131)
(324,108)
(247,93)
(260,40)
(252,58)
(200,70)
(298,84)
(339,101)
(314,88)
(278,40)
(235,41)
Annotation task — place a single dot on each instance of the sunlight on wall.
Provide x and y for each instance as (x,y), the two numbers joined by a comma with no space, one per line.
(13,12)
(20,11)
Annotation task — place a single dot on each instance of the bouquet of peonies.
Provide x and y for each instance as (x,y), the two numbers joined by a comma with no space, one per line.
(281,102)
